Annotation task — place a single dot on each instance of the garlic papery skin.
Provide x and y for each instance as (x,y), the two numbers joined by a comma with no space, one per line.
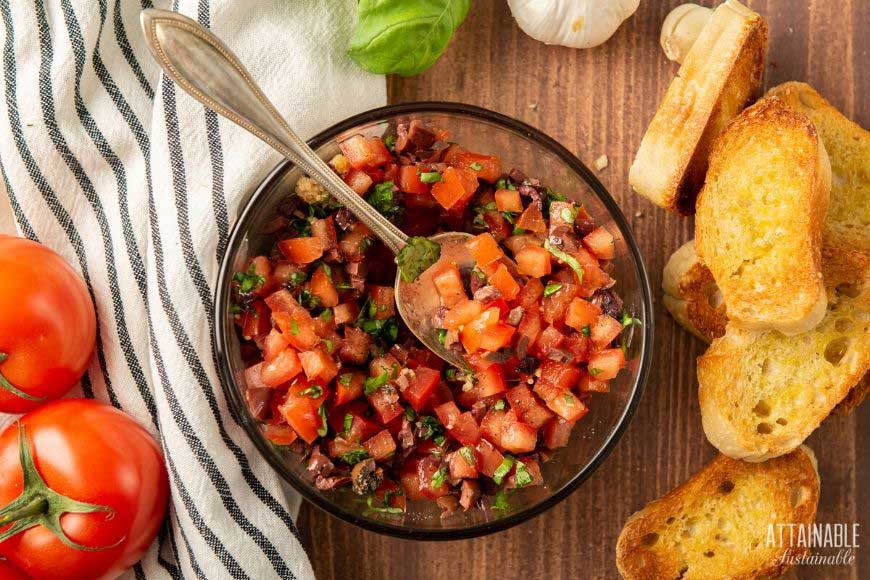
(681,28)
(574,23)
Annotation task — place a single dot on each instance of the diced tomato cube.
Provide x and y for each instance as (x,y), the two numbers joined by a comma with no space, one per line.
(297,327)
(529,330)
(274,344)
(557,432)
(588,384)
(352,246)
(562,375)
(318,365)
(527,407)
(384,364)
(359,181)
(448,284)
(257,323)
(390,494)
(606,364)
(581,313)
(517,242)
(365,152)
(447,413)
(486,167)
(530,294)
(605,330)
(385,403)
(488,458)
(460,466)
(533,261)
(463,312)
(484,248)
(322,287)
(280,434)
(600,242)
(324,230)
(348,387)
(410,479)
(430,486)
(549,339)
(497,225)
(532,220)
(382,300)
(466,430)
(283,271)
(340,446)
(578,345)
(282,368)
(345,312)
(497,336)
(505,283)
(409,180)
(472,333)
(508,200)
(490,381)
(531,467)
(555,306)
(301,410)
(381,445)
(301,250)
(560,401)
(518,437)
(421,387)
(455,188)
(355,346)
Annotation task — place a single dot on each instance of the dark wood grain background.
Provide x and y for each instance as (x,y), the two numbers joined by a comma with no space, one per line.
(596,102)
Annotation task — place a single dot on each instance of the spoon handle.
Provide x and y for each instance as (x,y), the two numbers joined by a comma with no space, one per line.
(204,67)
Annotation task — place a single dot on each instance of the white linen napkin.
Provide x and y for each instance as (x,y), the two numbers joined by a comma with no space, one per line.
(136,185)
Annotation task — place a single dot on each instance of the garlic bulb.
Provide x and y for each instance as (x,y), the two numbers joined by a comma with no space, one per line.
(575,23)
(681,28)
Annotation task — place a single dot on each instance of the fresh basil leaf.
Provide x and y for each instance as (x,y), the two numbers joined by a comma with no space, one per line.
(503,469)
(348,422)
(439,478)
(567,258)
(416,257)
(467,453)
(499,502)
(551,289)
(355,456)
(404,37)
(386,509)
(430,177)
(324,426)
(372,384)
(522,475)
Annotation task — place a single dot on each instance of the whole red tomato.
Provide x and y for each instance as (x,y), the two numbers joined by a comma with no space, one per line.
(94,503)
(47,325)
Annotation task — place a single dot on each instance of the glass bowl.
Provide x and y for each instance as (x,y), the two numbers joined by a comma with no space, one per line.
(537,155)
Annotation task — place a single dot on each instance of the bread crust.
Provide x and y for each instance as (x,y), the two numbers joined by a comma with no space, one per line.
(719,77)
(691,294)
(743,498)
(759,226)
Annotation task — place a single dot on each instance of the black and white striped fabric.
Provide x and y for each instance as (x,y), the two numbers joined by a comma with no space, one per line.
(136,185)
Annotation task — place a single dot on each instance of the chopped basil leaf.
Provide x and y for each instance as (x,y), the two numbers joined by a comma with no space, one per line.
(569,214)
(416,257)
(430,427)
(522,475)
(314,391)
(355,456)
(410,414)
(365,244)
(430,177)
(372,384)
(439,478)
(249,281)
(343,286)
(499,405)
(308,300)
(518,231)
(549,197)
(326,314)
(551,289)
(389,141)
(327,269)
(385,328)
(569,399)
(467,453)
(442,335)
(439,440)
(348,422)
(476,166)
(330,346)
(567,258)
(345,379)
(324,426)
(450,373)
(503,469)
(586,330)
(387,509)
(594,372)
(628,320)
(499,502)
(383,199)
(509,216)
(297,278)
(294,327)
(501,183)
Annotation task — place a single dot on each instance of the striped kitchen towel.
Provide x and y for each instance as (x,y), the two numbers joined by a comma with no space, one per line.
(137,186)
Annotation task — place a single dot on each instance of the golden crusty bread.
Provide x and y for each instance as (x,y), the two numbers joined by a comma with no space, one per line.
(691,294)
(762,394)
(715,525)
(719,77)
(760,217)
(848,145)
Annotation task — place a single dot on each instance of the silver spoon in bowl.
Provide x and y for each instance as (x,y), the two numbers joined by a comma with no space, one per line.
(206,69)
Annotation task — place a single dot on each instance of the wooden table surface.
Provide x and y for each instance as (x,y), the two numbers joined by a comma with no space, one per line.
(596,102)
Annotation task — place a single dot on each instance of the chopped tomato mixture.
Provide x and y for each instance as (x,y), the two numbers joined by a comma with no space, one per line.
(334,374)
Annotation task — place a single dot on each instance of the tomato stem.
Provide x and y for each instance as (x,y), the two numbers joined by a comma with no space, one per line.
(36,506)
(5,384)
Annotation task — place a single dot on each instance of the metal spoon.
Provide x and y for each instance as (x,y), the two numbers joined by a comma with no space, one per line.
(206,69)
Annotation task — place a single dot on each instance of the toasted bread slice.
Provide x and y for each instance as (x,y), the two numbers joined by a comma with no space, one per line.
(760,218)
(716,524)
(691,294)
(762,394)
(719,77)
(848,146)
